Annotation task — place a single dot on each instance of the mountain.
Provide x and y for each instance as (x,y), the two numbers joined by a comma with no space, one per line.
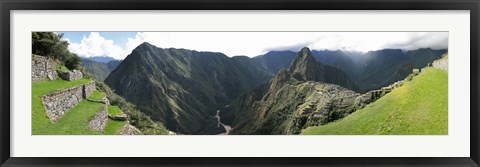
(338,59)
(184,88)
(384,67)
(276,60)
(99,70)
(306,68)
(422,57)
(112,65)
(101,59)
(305,94)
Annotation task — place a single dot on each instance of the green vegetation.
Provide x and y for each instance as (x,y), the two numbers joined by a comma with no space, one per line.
(96,96)
(114,111)
(61,68)
(420,107)
(74,122)
(113,127)
(136,118)
(53,46)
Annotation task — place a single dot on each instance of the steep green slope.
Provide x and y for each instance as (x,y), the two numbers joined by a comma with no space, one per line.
(98,70)
(418,107)
(183,88)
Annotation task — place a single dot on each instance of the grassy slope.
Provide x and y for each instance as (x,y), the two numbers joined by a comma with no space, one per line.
(97,96)
(40,122)
(419,107)
(76,120)
(113,127)
(114,111)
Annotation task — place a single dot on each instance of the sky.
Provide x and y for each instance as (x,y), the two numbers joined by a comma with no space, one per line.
(120,44)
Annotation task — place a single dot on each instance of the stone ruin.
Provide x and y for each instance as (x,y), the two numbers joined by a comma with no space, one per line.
(441,64)
(42,68)
(59,102)
(71,76)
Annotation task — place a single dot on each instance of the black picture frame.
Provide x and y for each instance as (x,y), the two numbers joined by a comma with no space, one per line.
(5,84)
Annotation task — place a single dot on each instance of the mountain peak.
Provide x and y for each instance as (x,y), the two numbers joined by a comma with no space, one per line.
(304,66)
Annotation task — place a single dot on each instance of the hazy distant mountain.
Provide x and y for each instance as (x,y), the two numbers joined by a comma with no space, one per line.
(338,59)
(383,67)
(101,59)
(276,60)
(99,70)
(184,88)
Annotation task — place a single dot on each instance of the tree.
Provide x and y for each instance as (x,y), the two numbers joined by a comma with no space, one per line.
(52,45)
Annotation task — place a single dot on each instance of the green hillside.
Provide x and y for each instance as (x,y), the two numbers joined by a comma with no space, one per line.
(420,107)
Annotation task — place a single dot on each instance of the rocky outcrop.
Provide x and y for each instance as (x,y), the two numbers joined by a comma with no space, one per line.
(42,68)
(130,130)
(100,120)
(59,102)
(71,75)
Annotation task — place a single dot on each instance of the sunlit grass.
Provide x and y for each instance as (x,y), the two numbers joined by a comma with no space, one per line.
(114,111)
(97,96)
(113,127)
(41,124)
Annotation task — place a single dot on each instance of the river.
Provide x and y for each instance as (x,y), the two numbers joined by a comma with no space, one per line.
(227,127)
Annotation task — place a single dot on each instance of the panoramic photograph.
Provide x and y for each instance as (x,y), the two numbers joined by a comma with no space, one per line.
(239,83)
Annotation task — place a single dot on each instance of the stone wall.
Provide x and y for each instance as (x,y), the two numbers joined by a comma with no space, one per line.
(71,76)
(57,103)
(88,89)
(100,120)
(42,68)
(441,64)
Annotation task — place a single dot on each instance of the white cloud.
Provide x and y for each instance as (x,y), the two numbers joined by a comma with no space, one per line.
(96,45)
(257,43)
